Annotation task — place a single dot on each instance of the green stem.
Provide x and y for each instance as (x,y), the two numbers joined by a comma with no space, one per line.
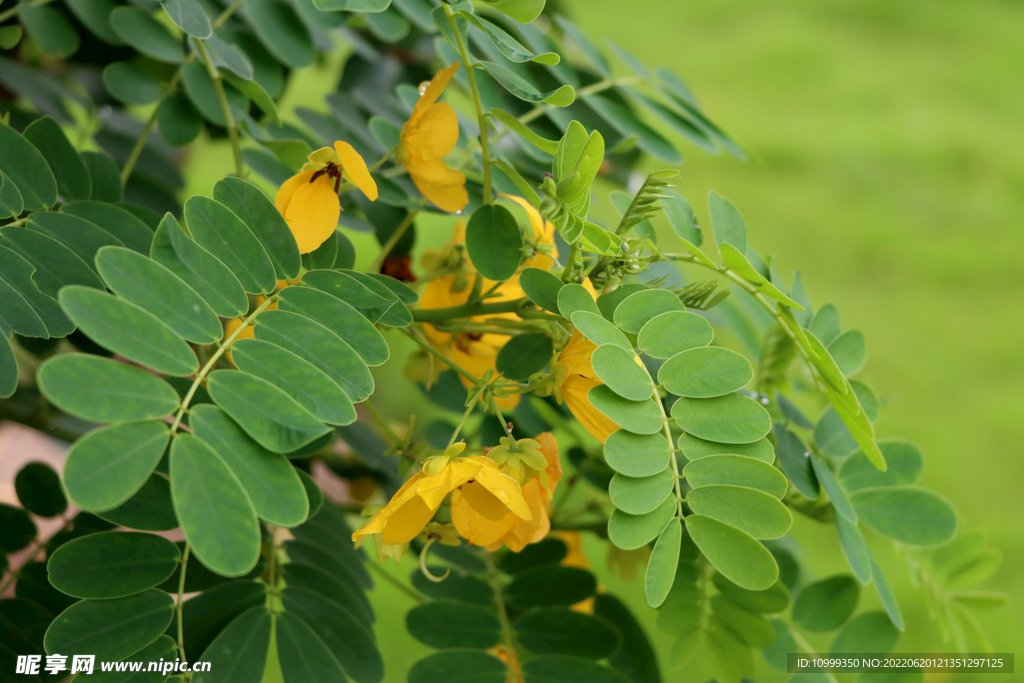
(229,121)
(672,457)
(181,600)
(497,411)
(810,651)
(506,625)
(570,261)
(425,345)
(481,119)
(226,14)
(412,594)
(7,14)
(383,159)
(458,427)
(392,241)
(140,144)
(467,310)
(201,375)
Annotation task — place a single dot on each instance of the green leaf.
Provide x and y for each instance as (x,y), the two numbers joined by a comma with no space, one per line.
(523,355)
(459,666)
(636,657)
(639,417)
(112,564)
(23,165)
(111,629)
(634,531)
(102,390)
(351,642)
(239,653)
(150,509)
(621,373)
(849,351)
(328,584)
(28,311)
(566,669)
(231,58)
(866,633)
(16,528)
(50,29)
(727,419)
(129,330)
(727,222)
(640,495)
(623,120)
(521,129)
(736,470)
(548,551)
(78,235)
(734,553)
(199,269)
(892,608)
(854,548)
(541,287)
(129,84)
(39,490)
(445,624)
(550,585)
(682,218)
(389,26)
(795,461)
(260,215)
(320,347)
(523,11)
(190,17)
(127,228)
(311,388)
(72,176)
(511,48)
(825,324)
(826,365)
(825,605)
(106,177)
(340,318)
(597,329)
(904,463)
(371,6)
(494,242)
(636,455)
(836,493)
(269,479)
(772,600)
(150,285)
(573,298)
(147,35)
(217,229)
(95,15)
(202,93)
(908,514)
(216,515)
(639,308)
(362,294)
(282,32)
(406,294)
(11,203)
(705,372)
(313,493)
(10,36)
(518,85)
(558,630)
(178,121)
(266,413)
(661,568)
(304,657)
(163,648)
(108,466)
(671,333)
(747,509)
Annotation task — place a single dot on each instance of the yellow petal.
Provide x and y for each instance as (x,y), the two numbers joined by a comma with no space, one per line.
(484,502)
(322,156)
(435,134)
(407,522)
(287,191)
(434,89)
(403,496)
(444,187)
(313,213)
(476,528)
(574,392)
(433,489)
(504,487)
(355,168)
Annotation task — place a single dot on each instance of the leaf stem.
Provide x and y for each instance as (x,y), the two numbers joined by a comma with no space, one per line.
(226,14)
(425,345)
(481,119)
(7,14)
(506,626)
(468,310)
(181,600)
(409,592)
(201,375)
(229,121)
(140,144)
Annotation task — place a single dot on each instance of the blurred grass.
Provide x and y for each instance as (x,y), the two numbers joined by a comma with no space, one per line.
(886,141)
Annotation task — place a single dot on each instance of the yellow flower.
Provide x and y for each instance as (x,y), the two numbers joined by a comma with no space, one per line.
(309,200)
(575,377)
(476,479)
(515,532)
(427,137)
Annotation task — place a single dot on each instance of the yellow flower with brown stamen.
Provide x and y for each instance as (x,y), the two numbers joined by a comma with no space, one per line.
(476,479)
(515,532)
(309,200)
(426,138)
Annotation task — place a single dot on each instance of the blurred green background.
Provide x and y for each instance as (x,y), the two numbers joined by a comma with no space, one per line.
(886,140)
